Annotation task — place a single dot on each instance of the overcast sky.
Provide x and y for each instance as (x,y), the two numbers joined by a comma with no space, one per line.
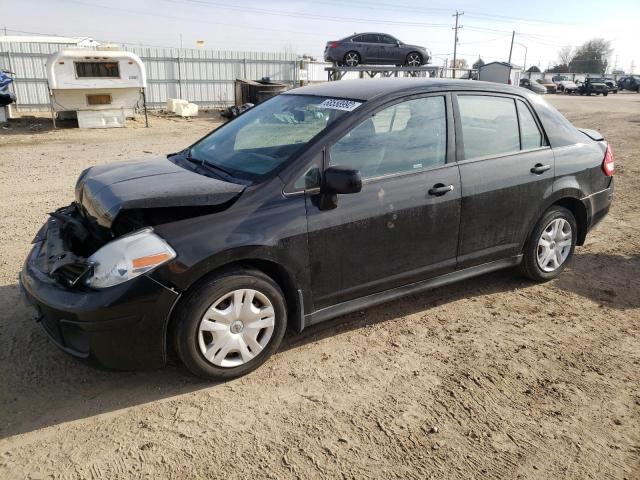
(541,26)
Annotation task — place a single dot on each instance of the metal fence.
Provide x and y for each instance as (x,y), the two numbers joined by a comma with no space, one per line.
(205,77)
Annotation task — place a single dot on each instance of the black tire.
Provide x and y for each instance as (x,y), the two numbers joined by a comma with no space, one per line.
(357,59)
(605,94)
(410,56)
(530,267)
(198,300)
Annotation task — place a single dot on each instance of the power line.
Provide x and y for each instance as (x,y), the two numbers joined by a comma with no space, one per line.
(493,39)
(282,13)
(195,20)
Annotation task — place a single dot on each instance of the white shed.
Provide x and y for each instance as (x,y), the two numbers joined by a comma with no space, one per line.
(500,72)
(101,87)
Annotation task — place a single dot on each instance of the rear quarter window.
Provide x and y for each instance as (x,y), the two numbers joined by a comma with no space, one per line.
(530,134)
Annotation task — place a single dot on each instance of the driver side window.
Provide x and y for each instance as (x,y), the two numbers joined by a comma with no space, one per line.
(408,136)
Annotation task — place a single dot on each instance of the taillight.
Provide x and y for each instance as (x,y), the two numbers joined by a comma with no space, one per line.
(607,163)
(334,44)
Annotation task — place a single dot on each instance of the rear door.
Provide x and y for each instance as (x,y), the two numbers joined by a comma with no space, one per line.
(506,170)
(372,48)
(403,225)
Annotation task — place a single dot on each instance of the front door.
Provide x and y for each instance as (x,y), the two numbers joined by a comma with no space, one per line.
(403,225)
(390,51)
(506,169)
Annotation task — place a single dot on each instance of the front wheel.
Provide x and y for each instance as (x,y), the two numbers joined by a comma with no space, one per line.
(230,324)
(414,59)
(550,246)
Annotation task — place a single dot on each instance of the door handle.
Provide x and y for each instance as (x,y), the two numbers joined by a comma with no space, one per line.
(440,189)
(540,168)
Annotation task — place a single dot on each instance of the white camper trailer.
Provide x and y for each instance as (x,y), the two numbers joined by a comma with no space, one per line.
(100,87)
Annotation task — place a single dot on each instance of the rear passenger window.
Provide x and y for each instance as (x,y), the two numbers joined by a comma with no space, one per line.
(489,125)
(408,136)
(529,132)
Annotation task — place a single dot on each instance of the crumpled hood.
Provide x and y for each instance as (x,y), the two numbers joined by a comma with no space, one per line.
(106,190)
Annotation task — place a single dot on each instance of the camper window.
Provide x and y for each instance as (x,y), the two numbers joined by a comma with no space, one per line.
(100,99)
(97,70)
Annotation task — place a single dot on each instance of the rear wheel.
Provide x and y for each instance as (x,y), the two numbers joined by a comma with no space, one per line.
(351,59)
(605,94)
(550,246)
(230,324)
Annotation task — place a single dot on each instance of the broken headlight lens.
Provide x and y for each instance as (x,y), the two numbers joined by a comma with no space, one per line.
(128,257)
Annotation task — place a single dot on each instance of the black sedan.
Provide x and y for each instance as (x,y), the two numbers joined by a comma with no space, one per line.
(324,200)
(374,49)
(630,82)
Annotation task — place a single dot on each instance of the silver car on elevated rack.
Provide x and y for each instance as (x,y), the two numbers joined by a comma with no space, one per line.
(374,49)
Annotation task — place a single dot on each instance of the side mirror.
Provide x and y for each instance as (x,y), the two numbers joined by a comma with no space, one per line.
(341,180)
(337,180)
(398,43)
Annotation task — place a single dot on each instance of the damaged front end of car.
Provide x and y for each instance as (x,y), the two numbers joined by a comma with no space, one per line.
(117,206)
(68,240)
(89,271)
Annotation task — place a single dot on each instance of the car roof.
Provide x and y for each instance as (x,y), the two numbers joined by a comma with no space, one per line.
(376,87)
(368,33)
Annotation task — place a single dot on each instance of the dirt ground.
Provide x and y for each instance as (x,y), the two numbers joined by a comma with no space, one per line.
(495,377)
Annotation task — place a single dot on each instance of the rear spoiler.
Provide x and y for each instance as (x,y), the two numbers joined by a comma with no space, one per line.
(592,134)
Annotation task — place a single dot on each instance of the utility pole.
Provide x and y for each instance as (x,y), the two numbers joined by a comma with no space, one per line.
(513,36)
(455,41)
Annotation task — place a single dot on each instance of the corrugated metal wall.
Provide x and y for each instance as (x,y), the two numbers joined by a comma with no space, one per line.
(204,77)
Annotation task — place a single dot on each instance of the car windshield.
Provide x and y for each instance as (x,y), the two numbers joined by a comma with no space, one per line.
(266,136)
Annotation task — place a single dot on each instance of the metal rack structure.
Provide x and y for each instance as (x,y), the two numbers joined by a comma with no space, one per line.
(336,72)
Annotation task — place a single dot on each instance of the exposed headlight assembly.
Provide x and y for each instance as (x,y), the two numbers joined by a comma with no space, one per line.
(128,257)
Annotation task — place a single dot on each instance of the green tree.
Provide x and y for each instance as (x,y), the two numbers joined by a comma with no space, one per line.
(478,63)
(533,69)
(591,57)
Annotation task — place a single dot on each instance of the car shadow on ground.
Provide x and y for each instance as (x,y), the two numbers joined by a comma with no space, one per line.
(43,387)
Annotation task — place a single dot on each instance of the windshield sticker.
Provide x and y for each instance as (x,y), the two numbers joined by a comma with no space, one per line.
(339,104)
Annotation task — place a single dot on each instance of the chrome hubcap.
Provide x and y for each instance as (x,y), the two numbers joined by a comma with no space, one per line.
(554,245)
(236,328)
